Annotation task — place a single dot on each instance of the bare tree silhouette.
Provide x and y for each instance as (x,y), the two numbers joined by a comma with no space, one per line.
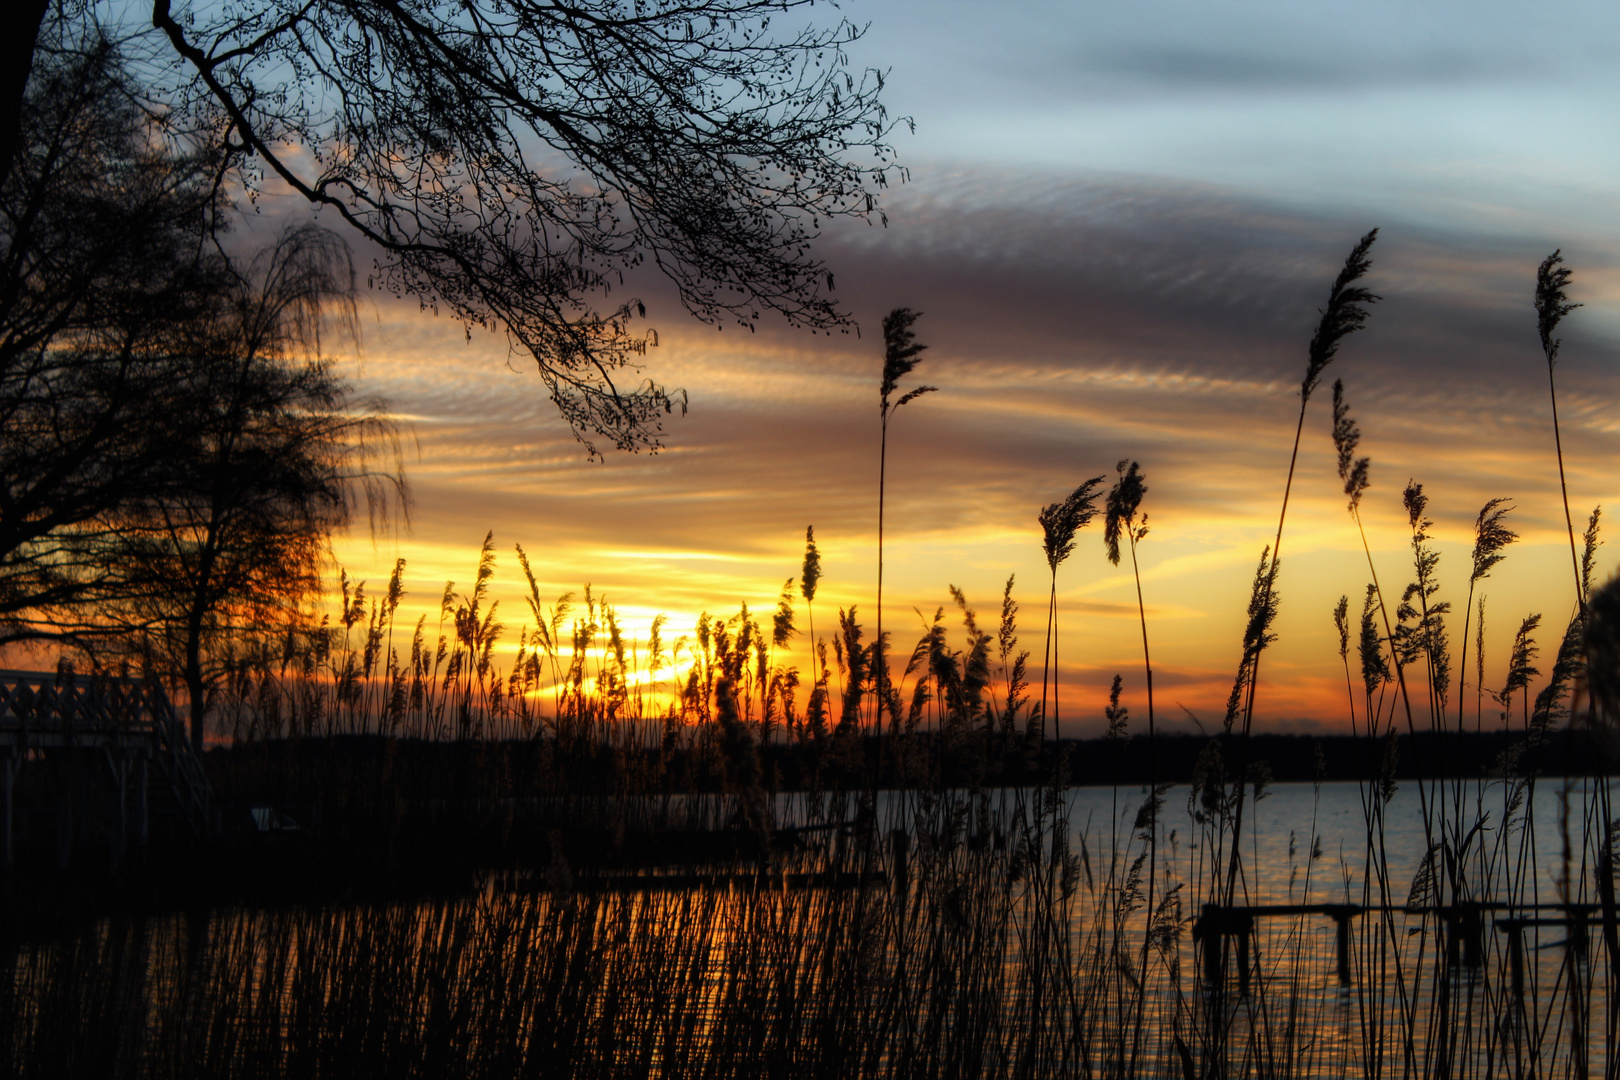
(275,457)
(513,160)
(175,451)
(99,276)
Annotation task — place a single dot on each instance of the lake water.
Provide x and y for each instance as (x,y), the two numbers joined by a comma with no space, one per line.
(977,966)
(1278,829)
(1521,992)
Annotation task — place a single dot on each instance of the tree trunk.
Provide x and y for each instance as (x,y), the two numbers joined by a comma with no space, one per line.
(17,60)
(195,689)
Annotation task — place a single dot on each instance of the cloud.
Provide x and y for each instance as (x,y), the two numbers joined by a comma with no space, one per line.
(1081,324)
(1070,323)
(1239,66)
(1185,47)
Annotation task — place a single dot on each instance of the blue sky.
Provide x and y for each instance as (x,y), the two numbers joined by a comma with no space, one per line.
(1469,115)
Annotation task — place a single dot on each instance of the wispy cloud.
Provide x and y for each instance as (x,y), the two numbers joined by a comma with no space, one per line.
(1070,324)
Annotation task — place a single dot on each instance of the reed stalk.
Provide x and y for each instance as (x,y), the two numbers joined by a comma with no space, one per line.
(1060,523)
(1552,304)
(901,352)
(1345,313)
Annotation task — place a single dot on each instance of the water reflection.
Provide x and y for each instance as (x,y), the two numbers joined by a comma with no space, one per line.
(900,936)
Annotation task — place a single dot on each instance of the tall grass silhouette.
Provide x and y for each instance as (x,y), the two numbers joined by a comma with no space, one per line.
(1552,305)
(1344,314)
(901,352)
(676,866)
(1060,523)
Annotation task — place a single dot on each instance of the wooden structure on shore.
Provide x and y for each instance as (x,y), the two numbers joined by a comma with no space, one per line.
(99,739)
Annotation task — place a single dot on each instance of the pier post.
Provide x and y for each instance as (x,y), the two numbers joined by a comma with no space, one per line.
(1514,929)
(1515,935)
(900,844)
(138,811)
(117,819)
(1575,957)
(1341,937)
(64,817)
(1207,930)
(8,779)
(1243,931)
(1471,922)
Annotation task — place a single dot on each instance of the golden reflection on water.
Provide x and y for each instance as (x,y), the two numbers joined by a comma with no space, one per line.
(857,954)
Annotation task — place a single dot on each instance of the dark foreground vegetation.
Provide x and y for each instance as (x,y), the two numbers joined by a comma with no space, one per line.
(723,933)
(367,806)
(623,857)
(419,770)
(397,819)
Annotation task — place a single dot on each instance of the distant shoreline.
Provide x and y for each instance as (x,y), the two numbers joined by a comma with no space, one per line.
(1089,762)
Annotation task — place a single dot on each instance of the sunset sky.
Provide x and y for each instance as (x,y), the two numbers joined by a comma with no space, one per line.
(1120,223)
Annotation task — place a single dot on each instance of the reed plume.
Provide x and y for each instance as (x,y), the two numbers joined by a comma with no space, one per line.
(782,631)
(1375,673)
(782,628)
(901,352)
(1257,636)
(1427,635)
(856,660)
(1341,623)
(1346,438)
(1521,666)
(1124,500)
(809,578)
(1355,473)
(1552,304)
(1346,312)
(1479,664)
(1060,523)
(1570,664)
(1491,536)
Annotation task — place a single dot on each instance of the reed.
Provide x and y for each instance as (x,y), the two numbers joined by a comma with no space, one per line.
(1060,523)
(901,352)
(1345,313)
(1552,305)
(674,866)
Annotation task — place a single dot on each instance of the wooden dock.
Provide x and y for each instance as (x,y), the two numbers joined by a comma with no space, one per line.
(100,738)
(1463,925)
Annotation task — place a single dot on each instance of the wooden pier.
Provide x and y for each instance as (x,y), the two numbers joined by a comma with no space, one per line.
(100,739)
(1463,923)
